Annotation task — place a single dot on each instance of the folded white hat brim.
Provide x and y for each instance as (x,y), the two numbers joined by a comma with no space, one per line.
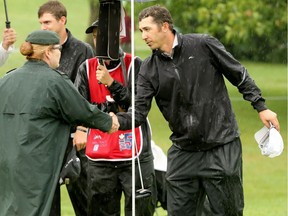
(160,158)
(269,141)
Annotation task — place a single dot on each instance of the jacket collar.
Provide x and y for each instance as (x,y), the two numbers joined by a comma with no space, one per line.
(176,46)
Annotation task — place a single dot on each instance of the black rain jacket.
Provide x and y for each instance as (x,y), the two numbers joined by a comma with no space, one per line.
(73,53)
(190,91)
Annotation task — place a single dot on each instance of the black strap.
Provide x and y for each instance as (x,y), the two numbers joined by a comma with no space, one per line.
(123,69)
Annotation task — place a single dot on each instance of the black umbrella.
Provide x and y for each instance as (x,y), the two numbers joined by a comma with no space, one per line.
(6,13)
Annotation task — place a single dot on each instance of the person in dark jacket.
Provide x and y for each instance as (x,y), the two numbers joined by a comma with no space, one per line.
(38,106)
(185,74)
(109,176)
(52,16)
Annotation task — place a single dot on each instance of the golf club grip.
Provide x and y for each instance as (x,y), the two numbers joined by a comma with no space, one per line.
(7,24)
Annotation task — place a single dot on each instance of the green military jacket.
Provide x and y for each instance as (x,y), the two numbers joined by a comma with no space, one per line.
(38,106)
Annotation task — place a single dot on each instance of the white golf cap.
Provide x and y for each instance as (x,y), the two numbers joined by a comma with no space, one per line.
(269,141)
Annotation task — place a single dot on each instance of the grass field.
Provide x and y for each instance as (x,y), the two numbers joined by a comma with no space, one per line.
(265,179)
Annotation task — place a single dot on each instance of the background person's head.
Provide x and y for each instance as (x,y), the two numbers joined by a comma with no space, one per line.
(93,30)
(53,16)
(42,45)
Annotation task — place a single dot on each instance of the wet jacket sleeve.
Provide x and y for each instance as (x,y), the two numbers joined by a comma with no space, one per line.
(236,73)
(143,99)
(4,54)
(75,109)
(122,94)
(81,81)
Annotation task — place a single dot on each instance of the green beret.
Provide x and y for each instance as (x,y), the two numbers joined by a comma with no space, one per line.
(43,37)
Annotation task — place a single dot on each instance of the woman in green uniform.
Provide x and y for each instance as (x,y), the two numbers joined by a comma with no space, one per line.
(38,106)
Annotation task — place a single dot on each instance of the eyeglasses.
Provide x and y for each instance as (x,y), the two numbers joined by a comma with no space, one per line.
(57,47)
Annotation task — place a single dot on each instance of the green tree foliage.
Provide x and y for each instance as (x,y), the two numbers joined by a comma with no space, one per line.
(254,30)
(250,29)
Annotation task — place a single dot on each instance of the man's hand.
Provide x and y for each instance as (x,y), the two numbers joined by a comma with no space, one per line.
(9,38)
(80,138)
(103,76)
(115,123)
(267,117)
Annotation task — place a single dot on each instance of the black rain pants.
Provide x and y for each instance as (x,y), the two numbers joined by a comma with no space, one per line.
(108,180)
(215,173)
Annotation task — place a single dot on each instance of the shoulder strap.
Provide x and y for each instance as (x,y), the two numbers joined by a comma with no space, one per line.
(11,70)
(125,59)
(123,69)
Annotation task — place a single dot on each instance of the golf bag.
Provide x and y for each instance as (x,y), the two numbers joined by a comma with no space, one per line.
(108,30)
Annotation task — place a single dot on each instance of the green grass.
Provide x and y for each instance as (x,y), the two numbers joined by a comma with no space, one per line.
(265,179)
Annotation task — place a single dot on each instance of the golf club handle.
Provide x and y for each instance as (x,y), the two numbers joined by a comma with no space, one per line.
(7,24)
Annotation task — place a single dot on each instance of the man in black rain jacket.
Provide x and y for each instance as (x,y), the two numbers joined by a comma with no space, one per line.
(185,74)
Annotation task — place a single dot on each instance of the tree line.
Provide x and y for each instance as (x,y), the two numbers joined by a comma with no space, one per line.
(251,30)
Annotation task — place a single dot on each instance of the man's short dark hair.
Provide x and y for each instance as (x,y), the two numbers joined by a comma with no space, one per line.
(56,8)
(159,14)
